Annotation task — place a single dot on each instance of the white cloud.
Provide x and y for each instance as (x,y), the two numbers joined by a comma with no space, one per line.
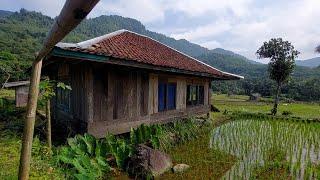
(201,32)
(202,7)
(143,10)
(298,23)
(48,7)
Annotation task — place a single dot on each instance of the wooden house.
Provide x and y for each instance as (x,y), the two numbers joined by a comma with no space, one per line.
(21,91)
(123,79)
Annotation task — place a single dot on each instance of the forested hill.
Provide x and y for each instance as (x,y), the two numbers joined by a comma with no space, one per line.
(314,62)
(4,13)
(22,32)
(244,67)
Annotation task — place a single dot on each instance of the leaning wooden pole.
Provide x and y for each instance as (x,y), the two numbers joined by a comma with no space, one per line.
(72,13)
(25,156)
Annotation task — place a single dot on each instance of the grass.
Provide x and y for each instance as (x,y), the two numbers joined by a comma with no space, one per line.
(41,166)
(5,93)
(11,123)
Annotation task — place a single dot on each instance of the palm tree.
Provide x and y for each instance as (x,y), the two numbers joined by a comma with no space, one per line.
(318,49)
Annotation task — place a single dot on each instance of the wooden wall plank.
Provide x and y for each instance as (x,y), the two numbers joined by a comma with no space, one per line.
(110,98)
(139,95)
(206,92)
(181,93)
(89,94)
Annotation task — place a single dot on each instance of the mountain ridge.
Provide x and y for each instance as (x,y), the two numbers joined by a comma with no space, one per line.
(312,63)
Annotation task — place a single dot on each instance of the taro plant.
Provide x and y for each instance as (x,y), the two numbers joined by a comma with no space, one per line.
(152,135)
(86,156)
(119,148)
(184,130)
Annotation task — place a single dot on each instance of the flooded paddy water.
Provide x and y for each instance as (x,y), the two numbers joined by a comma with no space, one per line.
(252,142)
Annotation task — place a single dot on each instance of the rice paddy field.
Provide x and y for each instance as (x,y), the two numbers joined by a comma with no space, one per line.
(255,148)
(292,147)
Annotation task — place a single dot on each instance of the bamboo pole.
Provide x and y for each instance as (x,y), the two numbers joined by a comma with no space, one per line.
(25,156)
(48,114)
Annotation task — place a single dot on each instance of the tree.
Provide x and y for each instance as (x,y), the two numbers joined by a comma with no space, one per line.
(47,89)
(282,62)
(318,49)
(9,67)
(47,92)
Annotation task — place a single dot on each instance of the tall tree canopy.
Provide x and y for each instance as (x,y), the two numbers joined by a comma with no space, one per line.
(282,62)
(318,49)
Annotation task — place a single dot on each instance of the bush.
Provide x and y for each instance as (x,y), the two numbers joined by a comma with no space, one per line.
(119,148)
(86,156)
(150,135)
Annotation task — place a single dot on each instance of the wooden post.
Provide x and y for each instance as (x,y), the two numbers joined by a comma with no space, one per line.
(25,156)
(48,114)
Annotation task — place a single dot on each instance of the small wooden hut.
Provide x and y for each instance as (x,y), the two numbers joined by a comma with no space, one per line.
(21,91)
(123,79)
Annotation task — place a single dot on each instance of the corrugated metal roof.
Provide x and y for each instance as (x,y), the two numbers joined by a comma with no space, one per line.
(16,84)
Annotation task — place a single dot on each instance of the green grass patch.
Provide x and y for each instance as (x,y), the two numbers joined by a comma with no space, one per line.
(7,93)
(42,167)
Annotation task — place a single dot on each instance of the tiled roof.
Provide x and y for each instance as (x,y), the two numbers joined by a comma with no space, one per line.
(129,46)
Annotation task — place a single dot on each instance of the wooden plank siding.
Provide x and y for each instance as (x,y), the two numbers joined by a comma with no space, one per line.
(111,98)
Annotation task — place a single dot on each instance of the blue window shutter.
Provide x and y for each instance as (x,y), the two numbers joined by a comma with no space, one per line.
(172,96)
(162,96)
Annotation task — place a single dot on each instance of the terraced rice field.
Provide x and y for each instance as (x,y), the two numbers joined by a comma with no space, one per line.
(289,149)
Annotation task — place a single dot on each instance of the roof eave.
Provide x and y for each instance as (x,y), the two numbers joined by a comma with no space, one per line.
(60,52)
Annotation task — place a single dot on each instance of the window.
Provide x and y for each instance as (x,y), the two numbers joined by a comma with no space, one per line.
(166,96)
(63,99)
(195,95)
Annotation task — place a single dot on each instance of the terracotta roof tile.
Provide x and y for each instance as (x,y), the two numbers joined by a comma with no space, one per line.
(129,46)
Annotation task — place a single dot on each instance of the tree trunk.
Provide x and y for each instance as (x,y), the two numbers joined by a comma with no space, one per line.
(25,156)
(6,80)
(48,115)
(276,101)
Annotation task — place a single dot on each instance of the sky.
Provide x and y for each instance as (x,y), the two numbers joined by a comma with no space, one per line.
(237,25)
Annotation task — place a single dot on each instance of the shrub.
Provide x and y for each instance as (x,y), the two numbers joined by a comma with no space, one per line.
(183,130)
(147,134)
(119,148)
(86,156)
